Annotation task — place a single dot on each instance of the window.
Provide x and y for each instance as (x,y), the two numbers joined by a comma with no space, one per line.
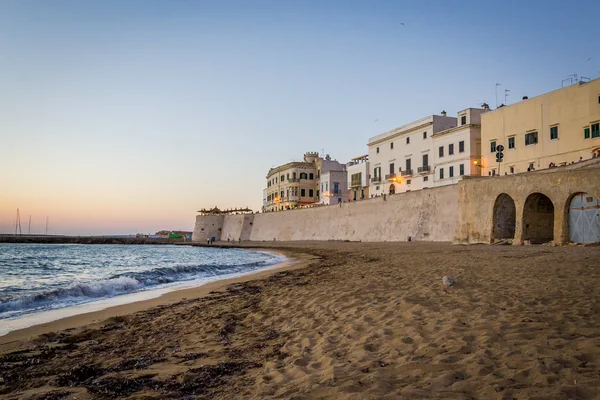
(288,177)
(318,173)
(378,150)
(596,130)
(392,169)
(461,146)
(282,178)
(511,142)
(376,188)
(282,193)
(336,188)
(408,181)
(461,169)
(317,192)
(424,135)
(310,193)
(586,132)
(441,151)
(377,172)
(554,132)
(275,179)
(408,164)
(451,149)
(293,175)
(463,120)
(311,176)
(425,178)
(425,160)
(407,140)
(441,173)
(302,192)
(450,172)
(392,145)
(326,186)
(493,146)
(531,138)
(303,175)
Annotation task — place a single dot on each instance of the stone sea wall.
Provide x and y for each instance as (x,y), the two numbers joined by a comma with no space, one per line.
(424,215)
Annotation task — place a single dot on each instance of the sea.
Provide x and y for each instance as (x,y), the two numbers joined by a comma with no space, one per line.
(36,279)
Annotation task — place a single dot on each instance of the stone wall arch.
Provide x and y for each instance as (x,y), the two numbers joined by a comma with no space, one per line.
(504,218)
(538,218)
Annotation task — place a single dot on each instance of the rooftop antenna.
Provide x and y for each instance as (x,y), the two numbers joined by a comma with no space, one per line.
(506,91)
(18,224)
(497,84)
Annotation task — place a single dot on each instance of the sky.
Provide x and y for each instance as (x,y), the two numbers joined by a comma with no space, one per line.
(120,117)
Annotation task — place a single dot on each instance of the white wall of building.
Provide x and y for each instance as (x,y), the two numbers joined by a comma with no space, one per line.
(390,152)
(330,181)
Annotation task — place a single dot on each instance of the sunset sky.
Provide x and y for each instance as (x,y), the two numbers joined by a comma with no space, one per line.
(128,116)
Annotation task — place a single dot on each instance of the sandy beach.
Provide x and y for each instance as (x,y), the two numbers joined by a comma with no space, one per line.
(348,321)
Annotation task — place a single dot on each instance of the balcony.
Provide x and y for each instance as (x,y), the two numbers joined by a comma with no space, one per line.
(356,183)
(407,172)
(376,179)
(390,177)
(425,169)
(293,180)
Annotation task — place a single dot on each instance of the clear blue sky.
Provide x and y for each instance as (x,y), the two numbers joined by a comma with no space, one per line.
(124,116)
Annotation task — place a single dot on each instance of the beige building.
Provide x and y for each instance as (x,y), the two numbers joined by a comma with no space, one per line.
(358,178)
(457,151)
(297,184)
(560,127)
(292,185)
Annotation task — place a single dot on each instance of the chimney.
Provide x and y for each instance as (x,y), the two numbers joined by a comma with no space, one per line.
(525,97)
(444,113)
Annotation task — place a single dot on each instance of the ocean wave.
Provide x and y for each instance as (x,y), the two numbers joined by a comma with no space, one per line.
(120,284)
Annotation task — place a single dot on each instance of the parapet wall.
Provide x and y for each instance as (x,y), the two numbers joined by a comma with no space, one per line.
(426,215)
(237,227)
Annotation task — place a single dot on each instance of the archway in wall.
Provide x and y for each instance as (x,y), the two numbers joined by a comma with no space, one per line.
(505,217)
(392,189)
(538,219)
(584,218)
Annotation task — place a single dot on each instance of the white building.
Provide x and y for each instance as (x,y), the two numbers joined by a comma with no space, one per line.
(332,180)
(401,160)
(358,178)
(457,151)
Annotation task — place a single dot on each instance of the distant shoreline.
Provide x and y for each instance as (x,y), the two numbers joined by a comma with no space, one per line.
(59,239)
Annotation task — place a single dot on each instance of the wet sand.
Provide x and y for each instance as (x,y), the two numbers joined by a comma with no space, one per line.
(358,321)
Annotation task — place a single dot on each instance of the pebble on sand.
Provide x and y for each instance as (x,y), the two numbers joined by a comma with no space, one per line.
(448,280)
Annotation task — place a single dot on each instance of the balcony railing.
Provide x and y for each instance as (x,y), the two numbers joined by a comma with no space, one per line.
(376,179)
(390,176)
(356,183)
(407,172)
(424,169)
(293,180)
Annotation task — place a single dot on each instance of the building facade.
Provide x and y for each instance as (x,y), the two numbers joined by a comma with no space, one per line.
(292,185)
(401,160)
(555,128)
(358,178)
(457,151)
(297,184)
